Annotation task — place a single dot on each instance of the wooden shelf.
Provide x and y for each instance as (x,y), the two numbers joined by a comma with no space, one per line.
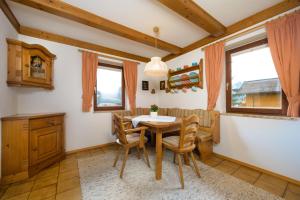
(185,85)
(184,79)
(199,76)
(182,71)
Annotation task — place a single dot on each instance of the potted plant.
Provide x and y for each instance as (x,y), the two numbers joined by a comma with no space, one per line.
(153,110)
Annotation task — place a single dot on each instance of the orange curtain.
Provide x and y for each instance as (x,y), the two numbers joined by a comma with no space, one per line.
(214,65)
(284,42)
(89,70)
(130,75)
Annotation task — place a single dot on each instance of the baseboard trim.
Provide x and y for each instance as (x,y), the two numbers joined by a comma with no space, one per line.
(291,180)
(91,148)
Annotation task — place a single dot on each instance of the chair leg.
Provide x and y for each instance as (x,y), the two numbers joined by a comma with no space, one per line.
(163,152)
(124,162)
(174,158)
(138,152)
(117,156)
(146,156)
(180,171)
(195,164)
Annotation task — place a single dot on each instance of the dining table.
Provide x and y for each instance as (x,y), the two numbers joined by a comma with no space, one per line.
(159,128)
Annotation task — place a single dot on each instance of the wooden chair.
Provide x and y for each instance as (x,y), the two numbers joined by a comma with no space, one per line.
(184,143)
(127,138)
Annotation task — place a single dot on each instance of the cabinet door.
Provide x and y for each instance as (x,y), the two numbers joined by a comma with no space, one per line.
(37,67)
(45,143)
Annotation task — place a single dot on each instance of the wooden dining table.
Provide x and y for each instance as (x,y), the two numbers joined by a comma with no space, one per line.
(159,128)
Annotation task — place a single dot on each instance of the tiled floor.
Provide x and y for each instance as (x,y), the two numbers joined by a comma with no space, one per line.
(61,181)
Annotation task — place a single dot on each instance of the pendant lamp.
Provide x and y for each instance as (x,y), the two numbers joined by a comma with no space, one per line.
(156,67)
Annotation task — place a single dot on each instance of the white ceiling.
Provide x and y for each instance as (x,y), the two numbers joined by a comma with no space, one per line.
(141,15)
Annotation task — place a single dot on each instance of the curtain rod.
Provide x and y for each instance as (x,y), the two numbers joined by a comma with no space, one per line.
(232,37)
(110,57)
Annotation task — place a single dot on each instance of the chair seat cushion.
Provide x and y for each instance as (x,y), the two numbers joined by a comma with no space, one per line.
(172,140)
(203,136)
(135,137)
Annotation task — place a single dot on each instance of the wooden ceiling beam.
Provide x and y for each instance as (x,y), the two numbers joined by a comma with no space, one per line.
(194,13)
(62,9)
(78,43)
(238,26)
(9,14)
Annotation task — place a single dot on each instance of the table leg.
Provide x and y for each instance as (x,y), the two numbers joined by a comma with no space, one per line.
(158,170)
(186,159)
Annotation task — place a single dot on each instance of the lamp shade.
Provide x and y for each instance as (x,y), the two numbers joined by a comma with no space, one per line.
(156,68)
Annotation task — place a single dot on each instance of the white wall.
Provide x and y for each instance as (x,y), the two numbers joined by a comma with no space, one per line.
(82,129)
(266,143)
(8,97)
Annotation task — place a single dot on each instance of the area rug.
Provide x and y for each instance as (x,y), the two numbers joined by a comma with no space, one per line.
(99,180)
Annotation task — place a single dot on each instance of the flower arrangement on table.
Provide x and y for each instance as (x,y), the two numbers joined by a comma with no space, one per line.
(153,110)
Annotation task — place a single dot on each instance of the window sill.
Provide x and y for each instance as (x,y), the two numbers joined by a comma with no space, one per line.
(261,116)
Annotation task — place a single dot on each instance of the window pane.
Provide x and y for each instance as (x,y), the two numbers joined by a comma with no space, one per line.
(109,87)
(255,82)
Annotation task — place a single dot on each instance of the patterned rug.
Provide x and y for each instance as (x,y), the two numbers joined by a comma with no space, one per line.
(99,180)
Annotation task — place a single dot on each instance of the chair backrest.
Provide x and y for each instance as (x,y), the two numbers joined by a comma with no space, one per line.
(189,128)
(120,129)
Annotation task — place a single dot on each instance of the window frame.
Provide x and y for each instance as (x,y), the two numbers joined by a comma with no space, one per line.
(110,108)
(228,88)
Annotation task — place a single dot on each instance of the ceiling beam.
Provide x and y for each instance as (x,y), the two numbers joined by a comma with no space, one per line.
(243,24)
(194,13)
(78,43)
(62,9)
(9,14)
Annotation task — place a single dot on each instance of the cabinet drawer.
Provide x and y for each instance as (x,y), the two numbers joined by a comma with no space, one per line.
(45,122)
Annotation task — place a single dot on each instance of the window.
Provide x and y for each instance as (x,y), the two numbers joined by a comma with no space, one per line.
(252,84)
(110,94)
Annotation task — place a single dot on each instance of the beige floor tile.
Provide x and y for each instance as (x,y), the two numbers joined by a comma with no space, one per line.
(98,151)
(69,166)
(43,182)
(213,161)
(83,154)
(291,196)
(3,189)
(271,184)
(293,188)
(23,196)
(68,184)
(73,194)
(17,190)
(53,171)
(292,192)
(43,193)
(247,174)
(68,175)
(228,167)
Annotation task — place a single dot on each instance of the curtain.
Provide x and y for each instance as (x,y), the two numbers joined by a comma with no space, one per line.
(89,70)
(130,75)
(284,42)
(214,66)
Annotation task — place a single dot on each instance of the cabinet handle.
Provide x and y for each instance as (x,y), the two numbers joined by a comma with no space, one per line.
(34,149)
(26,65)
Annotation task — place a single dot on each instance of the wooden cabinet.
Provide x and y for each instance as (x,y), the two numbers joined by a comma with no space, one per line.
(29,65)
(30,143)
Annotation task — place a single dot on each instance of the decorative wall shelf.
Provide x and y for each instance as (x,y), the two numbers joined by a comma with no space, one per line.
(187,77)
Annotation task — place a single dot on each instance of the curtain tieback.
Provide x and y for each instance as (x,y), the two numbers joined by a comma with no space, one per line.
(294,99)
